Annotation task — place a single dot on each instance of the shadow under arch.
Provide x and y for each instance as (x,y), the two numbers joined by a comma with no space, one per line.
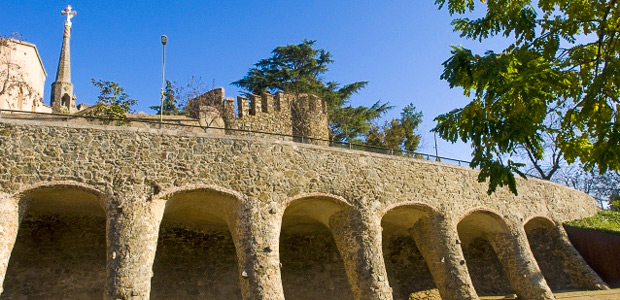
(56,194)
(312,267)
(551,254)
(196,256)
(408,272)
(477,230)
(60,249)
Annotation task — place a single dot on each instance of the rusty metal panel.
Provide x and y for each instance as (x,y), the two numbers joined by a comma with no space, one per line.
(600,250)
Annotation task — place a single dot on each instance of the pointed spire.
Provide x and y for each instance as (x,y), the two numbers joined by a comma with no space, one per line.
(64,63)
(63,99)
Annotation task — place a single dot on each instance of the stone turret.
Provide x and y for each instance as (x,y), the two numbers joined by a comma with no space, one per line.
(63,99)
(309,117)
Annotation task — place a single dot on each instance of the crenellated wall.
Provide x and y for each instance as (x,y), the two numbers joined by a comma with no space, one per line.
(195,216)
(287,114)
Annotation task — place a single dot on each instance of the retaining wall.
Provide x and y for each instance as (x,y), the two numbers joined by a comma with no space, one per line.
(293,220)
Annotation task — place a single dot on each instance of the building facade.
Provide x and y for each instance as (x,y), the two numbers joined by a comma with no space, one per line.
(22,77)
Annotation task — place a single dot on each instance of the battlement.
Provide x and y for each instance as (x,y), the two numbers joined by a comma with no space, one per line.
(264,103)
(288,114)
(268,103)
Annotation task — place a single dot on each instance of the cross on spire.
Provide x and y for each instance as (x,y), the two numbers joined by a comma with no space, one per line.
(69,13)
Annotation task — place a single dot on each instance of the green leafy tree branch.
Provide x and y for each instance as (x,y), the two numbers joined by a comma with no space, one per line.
(563,60)
(113,103)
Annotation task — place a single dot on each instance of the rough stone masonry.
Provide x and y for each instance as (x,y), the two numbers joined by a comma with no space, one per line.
(101,212)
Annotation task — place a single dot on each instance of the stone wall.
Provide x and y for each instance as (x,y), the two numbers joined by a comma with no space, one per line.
(191,264)
(57,257)
(299,218)
(485,269)
(403,261)
(260,113)
(284,114)
(311,265)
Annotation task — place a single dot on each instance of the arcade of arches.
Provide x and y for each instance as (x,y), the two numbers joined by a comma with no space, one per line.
(198,251)
(103,212)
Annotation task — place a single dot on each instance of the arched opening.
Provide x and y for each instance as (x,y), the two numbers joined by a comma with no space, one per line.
(544,240)
(66,101)
(60,251)
(196,257)
(407,269)
(312,267)
(485,269)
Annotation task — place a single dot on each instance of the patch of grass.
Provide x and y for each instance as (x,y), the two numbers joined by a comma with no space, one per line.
(605,220)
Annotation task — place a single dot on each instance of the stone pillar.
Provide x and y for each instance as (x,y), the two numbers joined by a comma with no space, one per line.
(256,234)
(579,271)
(133,228)
(514,253)
(10,217)
(358,239)
(438,242)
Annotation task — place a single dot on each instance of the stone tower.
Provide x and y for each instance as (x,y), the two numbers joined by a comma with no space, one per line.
(63,99)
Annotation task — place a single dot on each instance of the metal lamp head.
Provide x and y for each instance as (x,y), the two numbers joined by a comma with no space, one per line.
(164,40)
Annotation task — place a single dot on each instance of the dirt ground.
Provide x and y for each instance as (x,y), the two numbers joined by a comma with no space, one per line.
(586,295)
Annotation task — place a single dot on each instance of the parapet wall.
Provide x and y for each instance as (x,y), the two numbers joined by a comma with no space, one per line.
(286,114)
(265,205)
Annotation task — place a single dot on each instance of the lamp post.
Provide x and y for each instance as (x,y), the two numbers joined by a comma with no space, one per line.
(164,41)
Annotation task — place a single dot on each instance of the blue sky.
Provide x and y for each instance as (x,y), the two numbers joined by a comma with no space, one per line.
(398,46)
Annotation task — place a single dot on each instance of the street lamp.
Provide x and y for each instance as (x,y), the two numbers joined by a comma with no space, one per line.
(164,41)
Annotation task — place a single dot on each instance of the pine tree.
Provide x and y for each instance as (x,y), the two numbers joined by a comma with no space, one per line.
(170,102)
(299,69)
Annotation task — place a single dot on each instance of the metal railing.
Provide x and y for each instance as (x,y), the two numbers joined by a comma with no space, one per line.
(177,123)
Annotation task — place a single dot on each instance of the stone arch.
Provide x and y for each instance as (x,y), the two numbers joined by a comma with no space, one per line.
(317,206)
(407,269)
(406,214)
(196,254)
(545,239)
(480,215)
(60,233)
(539,220)
(477,230)
(312,266)
(26,194)
(223,201)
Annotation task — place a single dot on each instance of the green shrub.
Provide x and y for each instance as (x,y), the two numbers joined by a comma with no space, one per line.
(615,205)
(605,220)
